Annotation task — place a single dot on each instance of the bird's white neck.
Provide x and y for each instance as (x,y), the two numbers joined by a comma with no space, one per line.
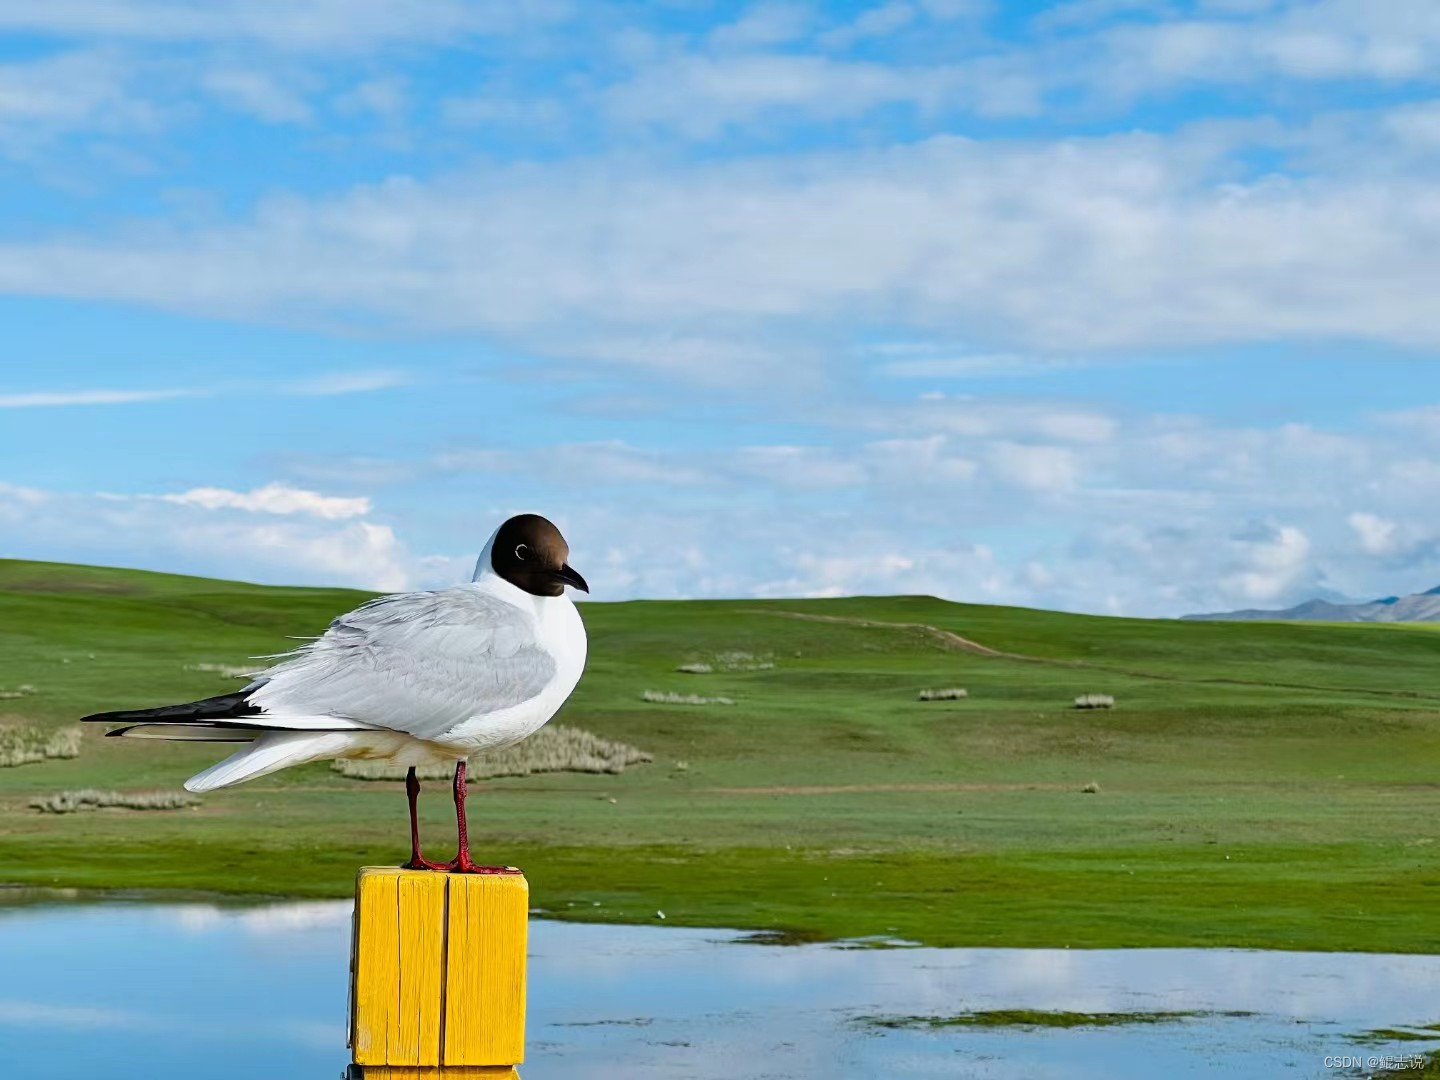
(485,565)
(542,606)
(486,577)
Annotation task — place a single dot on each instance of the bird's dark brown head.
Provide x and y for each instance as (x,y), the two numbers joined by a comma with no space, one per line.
(530,553)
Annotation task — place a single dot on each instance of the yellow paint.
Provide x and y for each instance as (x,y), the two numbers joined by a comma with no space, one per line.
(421,955)
(438,972)
(452,1072)
(485,976)
(373,963)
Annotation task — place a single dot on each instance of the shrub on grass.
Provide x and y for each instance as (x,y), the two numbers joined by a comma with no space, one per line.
(1094,701)
(739,660)
(229,671)
(666,697)
(952,693)
(554,748)
(70,802)
(25,744)
(1092,788)
(730,660)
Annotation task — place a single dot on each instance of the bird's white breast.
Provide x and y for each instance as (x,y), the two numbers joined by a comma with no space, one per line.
(561,633)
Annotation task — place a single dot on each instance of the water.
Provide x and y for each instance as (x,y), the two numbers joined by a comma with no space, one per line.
(190,991)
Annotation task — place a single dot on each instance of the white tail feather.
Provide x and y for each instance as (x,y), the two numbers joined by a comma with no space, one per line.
(271,751)
(281,722)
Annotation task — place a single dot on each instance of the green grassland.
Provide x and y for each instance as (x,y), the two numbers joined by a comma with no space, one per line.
(1260,784)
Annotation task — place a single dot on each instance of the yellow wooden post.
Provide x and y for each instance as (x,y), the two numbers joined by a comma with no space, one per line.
(426,1072)
(443,1072)
(438,974)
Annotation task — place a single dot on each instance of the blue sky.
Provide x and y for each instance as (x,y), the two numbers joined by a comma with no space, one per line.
(1104,305)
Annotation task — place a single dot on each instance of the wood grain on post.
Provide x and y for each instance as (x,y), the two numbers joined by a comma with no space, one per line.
(438,972)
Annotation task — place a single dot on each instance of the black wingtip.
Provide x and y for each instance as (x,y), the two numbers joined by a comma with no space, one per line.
(221,707)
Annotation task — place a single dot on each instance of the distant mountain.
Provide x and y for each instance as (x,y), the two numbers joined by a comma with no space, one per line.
(1421,607)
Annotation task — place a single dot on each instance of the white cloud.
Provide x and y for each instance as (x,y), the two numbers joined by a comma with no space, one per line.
(1089,55)
(1160,518)
(386,98)
(840,575)
(1037,468)
(64,89)
(256,92)
(347,382)
(41,399)
(1154,515)
(361,552)
(1085,13)
(1269,562)
(775,63)
(609,462)
(1423,420)
(1163,516)
(761,25)
(871,564)
(499,109)
(879,21)
(1038,576)
(33,1014)
(273,499)
(807,468)
(323,385)
(1376,534)
(925,361)
(1316,40)
(718,270)
(267,535)
(327,25)
(120,76)
(779,270)
(83,90)
(700,96)
(17,494)
(975,417)
(924,461)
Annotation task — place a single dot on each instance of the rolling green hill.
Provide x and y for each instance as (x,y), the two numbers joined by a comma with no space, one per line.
(1260,784)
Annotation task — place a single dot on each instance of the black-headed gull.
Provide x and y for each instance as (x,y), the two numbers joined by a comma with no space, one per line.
(417,678)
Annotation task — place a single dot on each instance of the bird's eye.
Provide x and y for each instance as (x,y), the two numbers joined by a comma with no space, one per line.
(520,550)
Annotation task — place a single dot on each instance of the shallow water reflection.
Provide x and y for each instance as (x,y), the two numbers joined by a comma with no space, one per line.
(189,991)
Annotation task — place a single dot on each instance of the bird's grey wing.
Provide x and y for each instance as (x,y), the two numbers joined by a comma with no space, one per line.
(421,663)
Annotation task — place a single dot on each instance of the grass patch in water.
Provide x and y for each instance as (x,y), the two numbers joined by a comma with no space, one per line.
(1409,1033)
(790,936)
(1037,1018)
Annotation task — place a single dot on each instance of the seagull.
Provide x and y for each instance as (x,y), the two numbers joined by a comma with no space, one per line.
(415,679)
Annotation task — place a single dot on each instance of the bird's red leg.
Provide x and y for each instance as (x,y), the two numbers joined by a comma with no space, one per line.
(462,863)
(417,861)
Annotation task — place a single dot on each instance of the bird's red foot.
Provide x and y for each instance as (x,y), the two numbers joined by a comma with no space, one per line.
(419,863)
(461,864)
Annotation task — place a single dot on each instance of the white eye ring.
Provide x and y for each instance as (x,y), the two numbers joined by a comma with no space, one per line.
(519,549)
